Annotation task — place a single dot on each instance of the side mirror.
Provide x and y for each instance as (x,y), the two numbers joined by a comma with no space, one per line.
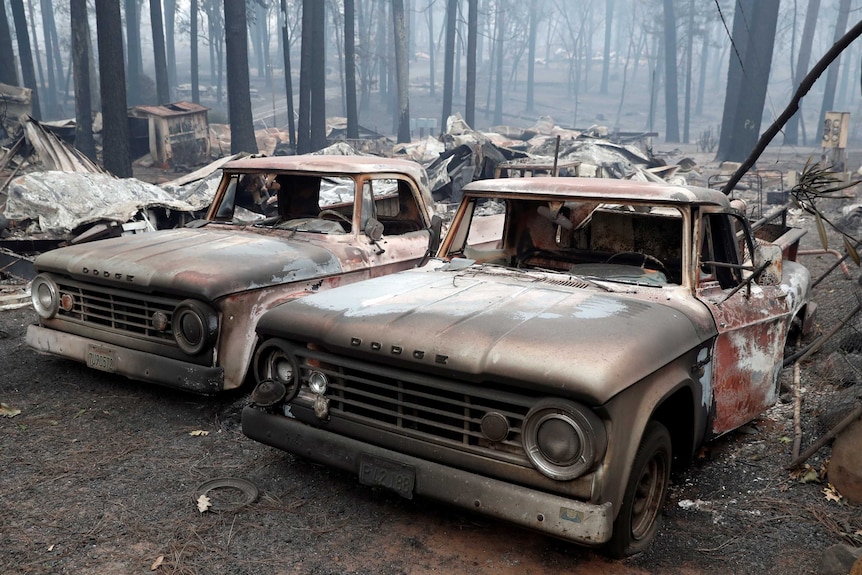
(373,229)
(436,234)
(768,259)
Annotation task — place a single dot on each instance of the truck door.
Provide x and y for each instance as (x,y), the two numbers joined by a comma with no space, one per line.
(391,205)
(752,322)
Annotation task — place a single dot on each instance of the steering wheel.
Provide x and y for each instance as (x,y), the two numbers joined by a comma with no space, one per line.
(336,214)
(644,259)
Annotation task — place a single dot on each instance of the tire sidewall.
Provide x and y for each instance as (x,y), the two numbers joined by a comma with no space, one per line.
(656,440)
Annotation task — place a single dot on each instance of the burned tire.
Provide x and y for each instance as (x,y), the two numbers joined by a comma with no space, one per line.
(640,515)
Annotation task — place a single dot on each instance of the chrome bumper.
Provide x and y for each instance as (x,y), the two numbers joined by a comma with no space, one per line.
(558,516)
(130,363)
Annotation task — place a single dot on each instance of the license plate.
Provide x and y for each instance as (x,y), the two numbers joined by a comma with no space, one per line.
(392,475)
(101,358)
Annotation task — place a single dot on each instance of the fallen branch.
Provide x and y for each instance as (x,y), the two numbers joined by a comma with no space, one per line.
(805,353)
(851,417)
(797,411)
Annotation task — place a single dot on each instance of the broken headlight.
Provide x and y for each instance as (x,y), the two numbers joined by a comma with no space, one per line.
(563,439)
(274,362)
(195,326)
(45,296)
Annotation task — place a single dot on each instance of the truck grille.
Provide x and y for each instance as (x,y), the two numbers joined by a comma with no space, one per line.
(117,310)
(416,405)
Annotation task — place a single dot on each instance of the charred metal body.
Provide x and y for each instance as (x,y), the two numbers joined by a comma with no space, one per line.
(179,307)
(612,327)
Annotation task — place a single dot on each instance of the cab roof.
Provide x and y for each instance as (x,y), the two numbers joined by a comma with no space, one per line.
(347,165)
(596,189)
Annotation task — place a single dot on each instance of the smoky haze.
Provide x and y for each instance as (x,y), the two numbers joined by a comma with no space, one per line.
(595,63)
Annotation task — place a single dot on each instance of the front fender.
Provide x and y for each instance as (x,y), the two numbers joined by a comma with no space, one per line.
(678,395)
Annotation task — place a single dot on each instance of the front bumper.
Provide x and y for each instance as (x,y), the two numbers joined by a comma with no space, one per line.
(131,363)
(558,516)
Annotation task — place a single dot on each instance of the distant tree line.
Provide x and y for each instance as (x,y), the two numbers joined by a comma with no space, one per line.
(494,53)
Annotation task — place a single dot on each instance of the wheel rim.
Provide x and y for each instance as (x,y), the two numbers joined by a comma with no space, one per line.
(649,494)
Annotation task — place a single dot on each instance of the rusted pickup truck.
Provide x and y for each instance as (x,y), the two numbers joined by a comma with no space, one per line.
(549,379)
(179,307)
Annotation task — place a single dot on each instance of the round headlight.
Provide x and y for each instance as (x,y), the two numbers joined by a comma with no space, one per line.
(195,326)
(274,362)
(317,381)
(45,296)
(562,439)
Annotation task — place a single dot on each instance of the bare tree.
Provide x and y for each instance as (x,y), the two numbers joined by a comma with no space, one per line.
(36,51)
(832,72)
(162,91)
(193,33)
(214,10)
(432,51)
(170,42)
(115,122)
(133,52)
(303,137)
(238,97)
(472,37)
(318,77)
(8,71)
(288,80)
(689,59)
(402,71)
(55,73)
(754,24)
(84,141)
(498,92)
(449,60)
(805,85)
(531,58)
(350,68)
(791,131)
(606,60)
(671,97)
(25,56)
(383,52)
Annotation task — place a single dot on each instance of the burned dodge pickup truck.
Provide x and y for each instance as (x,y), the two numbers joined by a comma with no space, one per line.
(551,378)
(179,307)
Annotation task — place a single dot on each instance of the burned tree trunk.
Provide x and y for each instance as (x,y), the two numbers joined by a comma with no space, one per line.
(25,56)
(288,80)
(472,47)
(162,91)
(401,70)
(84,141)
(832,72)
(531,54)
(318,77)
(350,68)
(303,137)
(449,61)
(239,99)
(748,74)
(112,80)
(133,56)
(791,132)
(8,72)
(196,86)
(804,86)
(671,96)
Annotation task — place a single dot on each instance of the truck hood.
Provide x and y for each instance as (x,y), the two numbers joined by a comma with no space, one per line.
(575,339)
(202,263)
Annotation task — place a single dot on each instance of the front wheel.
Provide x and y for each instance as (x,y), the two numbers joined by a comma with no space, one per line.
(640,515)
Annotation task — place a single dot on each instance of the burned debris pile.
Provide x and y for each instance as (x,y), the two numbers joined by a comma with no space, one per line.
(52,195)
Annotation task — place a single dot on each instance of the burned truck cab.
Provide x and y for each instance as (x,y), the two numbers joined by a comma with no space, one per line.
(179,307)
